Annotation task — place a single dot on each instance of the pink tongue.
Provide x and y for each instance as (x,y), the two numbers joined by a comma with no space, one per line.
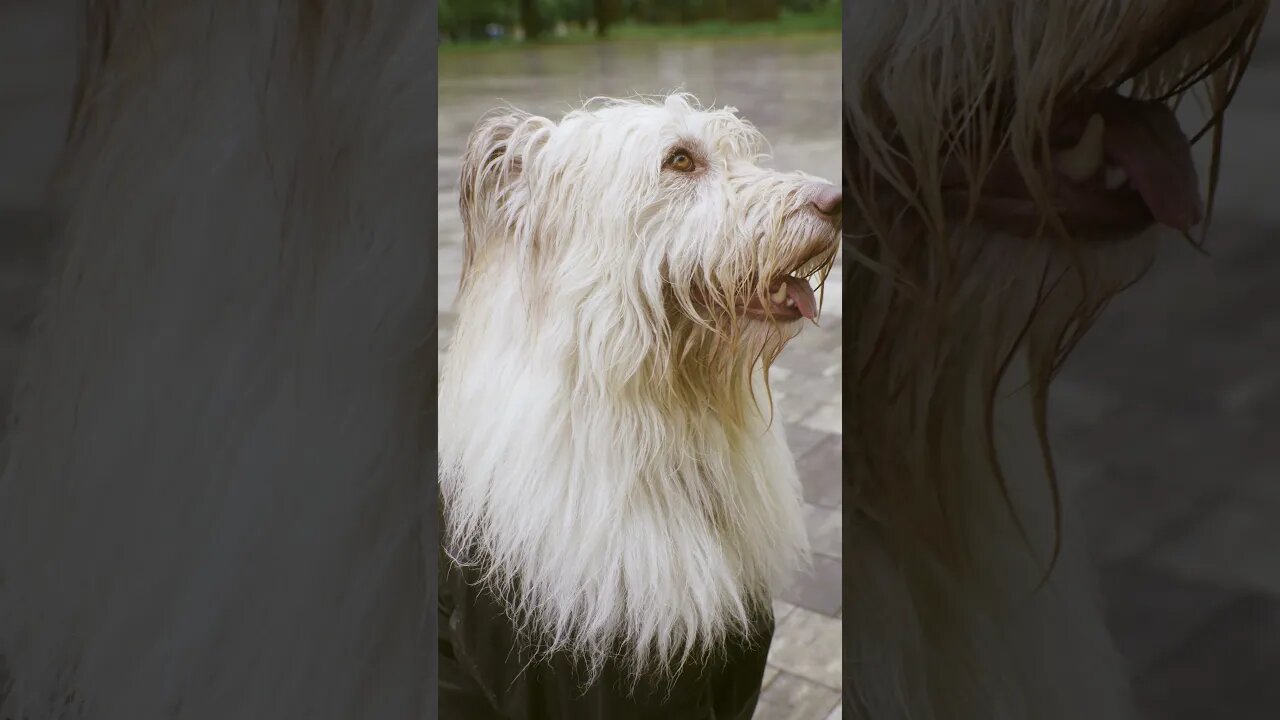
(1145,139)
(802,295)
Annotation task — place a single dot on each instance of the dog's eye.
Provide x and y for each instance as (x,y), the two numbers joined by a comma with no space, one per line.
(680,161)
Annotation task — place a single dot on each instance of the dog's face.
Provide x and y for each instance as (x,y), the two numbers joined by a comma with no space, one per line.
(661,209)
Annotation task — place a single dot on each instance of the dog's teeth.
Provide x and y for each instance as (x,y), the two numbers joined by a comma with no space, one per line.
(1083,161)
(780,294)
(1114,178)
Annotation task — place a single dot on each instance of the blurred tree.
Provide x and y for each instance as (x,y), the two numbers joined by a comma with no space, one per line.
(606,12)
(806,6)
(663,12)
(467,19)
(531,19)
(754,10)
(569,11)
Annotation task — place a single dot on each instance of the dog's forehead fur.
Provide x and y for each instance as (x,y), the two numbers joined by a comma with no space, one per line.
(658,125)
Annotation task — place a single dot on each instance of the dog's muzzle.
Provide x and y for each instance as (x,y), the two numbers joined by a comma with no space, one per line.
(1118,166)
(790,295)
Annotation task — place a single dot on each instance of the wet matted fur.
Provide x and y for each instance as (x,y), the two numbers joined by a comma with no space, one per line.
(971,272)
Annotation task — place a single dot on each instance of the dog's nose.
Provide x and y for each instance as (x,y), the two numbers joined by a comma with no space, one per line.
(827,200)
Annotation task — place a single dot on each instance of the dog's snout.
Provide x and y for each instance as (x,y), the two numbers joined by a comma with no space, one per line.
(827,201)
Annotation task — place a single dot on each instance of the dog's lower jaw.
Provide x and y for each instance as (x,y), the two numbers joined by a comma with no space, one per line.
(626,514)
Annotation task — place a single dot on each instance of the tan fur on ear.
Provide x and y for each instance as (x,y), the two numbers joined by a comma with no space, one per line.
(497,150)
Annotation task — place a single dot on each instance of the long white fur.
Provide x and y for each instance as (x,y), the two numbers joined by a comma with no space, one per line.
(609,454)
(215,488)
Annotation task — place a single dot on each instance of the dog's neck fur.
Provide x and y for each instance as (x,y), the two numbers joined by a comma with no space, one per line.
(613,500)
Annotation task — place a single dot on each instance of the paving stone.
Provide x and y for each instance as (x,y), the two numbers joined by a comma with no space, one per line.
(778,374)
(1077,402)
(818,588)
(788,697)
(1234,545)
(824,526)
(806,382)
(820,469)
(821,339)
(801,439)
(1263,480)
(770,672)
(1227,669)
(808,644)
(833,296)
(1151,612)
(1133,509)
(811,361)
(781,609)
(826,417)
(798,410)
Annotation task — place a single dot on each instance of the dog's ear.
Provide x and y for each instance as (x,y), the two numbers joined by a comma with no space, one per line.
(492,168)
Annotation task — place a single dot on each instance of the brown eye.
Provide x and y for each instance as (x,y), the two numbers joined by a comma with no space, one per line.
(680,161)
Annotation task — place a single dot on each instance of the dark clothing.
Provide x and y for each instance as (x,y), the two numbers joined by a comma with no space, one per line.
(483,677)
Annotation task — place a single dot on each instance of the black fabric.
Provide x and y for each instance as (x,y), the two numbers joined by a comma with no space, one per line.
(484,676)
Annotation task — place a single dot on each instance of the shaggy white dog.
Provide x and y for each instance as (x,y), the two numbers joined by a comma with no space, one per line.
(215,485)
(1006,159)
(610,456)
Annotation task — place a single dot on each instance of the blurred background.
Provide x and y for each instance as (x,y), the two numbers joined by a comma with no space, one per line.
(1166,420)
(778,62)
(475,21)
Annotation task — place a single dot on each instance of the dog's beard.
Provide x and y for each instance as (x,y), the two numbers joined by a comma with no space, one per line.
(645,520)
(611,462)
(644,517)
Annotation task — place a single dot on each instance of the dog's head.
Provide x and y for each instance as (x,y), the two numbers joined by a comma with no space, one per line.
(655,217)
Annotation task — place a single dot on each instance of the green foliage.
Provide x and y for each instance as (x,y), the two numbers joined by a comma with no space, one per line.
(811,6)
(570,11)
(465,20)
